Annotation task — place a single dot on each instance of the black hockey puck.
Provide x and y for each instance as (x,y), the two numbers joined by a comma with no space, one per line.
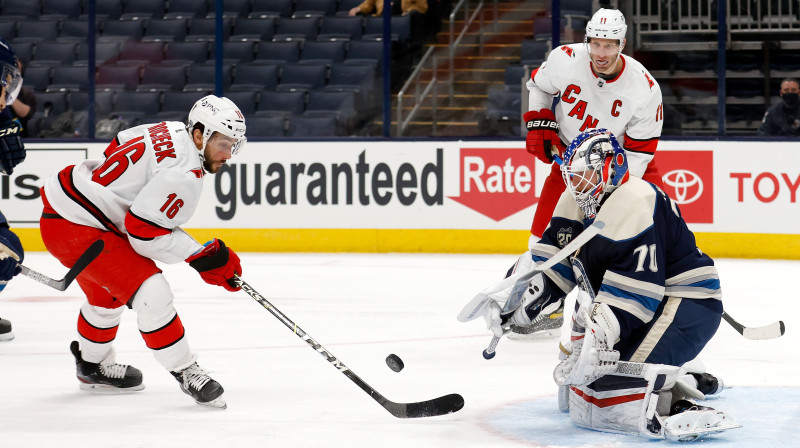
(394,362)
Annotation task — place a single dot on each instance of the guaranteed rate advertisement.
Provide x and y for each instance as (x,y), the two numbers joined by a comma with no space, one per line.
(363,185)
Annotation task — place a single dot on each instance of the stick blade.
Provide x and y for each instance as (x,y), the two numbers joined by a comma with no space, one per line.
(771,331)
(87,257)
(444,405)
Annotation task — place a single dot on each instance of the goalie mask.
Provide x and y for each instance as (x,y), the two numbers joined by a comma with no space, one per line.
(218,115)
(10,78)
(594,165)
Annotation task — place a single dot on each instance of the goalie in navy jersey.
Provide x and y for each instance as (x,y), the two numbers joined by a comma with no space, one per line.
(649,296)
(135,200)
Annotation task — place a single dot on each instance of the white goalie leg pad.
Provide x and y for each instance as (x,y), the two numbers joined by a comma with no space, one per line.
(154,309)
(99,317)
(630,402)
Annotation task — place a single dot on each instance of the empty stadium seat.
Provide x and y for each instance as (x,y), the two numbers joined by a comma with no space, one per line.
(303,76)
(103,101)
(202,77)
(136,106)
(296,28)
(266,126)
(533,52)
(341,104)
(38,78)
(338,28)
(278,52)
(283,8)
(365,52)
(314,7)
(146,52)
(323,52)
(318,126)
(37,30)
(104,52)
(179,102)
(256,29)
(196,8)
(255,76)
(69,8)
(281,103)
(55,53)
(66,77)
(117,76)
(167,29)
(196,52)
(163,77)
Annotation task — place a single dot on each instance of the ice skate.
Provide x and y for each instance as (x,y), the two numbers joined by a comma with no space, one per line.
(106,377)
(545,326)
(5,330)
(196,383)
(689,421)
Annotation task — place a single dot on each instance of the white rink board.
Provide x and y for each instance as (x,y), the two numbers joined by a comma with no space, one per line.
(752,193)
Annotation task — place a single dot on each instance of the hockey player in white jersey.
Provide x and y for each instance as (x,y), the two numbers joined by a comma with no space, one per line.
(595,86)
(135,200)
(647,295)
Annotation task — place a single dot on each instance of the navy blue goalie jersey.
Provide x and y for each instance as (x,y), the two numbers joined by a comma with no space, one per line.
(644,253)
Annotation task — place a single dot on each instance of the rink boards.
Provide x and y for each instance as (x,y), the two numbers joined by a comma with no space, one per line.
(740,198)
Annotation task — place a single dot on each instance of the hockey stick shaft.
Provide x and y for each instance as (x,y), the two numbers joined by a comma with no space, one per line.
(515,298)
(87,257)
(770,331)
(438,406)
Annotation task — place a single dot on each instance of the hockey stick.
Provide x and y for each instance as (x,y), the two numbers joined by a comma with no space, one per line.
(515,298)
(770,331)
(438,406)
(87,257)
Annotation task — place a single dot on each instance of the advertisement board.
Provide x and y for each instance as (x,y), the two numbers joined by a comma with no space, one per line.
(442,196)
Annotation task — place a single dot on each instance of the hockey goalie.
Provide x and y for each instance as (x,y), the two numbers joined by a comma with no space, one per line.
(648,301)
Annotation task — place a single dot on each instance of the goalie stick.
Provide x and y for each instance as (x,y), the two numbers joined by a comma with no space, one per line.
(521,284)
(770,331)
(87,257)
(446,404)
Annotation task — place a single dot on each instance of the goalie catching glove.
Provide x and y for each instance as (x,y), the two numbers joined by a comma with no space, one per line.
(595,356)
(542,140)
(217,265)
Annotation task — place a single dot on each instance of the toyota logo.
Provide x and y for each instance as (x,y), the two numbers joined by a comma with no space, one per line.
(684,183)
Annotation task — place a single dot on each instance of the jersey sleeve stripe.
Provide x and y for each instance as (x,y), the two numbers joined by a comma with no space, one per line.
(647,146)
(65,179)
(165,336)
(142,229)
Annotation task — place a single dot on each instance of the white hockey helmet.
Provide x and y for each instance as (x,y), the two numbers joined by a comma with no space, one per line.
(218,115)
(607,24)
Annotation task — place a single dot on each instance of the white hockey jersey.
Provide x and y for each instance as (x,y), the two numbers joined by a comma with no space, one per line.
(629,105)
(146,187)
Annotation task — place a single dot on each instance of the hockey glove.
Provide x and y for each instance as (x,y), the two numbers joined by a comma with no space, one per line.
(538,299)
(11,254)
(595,357)
(12,151)
(542,140)
(217,265)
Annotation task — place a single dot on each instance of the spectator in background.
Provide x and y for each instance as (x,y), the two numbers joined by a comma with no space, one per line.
(415,9)
(24,107)
(783,118)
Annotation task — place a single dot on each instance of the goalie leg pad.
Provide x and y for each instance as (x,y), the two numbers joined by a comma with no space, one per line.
(160,325)
(611,404)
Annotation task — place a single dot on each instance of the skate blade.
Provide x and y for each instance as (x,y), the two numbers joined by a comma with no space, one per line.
(538,335)
(217,403)
(110,390)
(689,436)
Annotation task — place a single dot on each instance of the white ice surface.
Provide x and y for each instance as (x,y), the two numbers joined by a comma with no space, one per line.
(361,307)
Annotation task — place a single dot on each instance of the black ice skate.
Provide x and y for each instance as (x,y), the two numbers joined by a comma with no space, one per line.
(196,383)
(5,330)
(708,384)
(114,378)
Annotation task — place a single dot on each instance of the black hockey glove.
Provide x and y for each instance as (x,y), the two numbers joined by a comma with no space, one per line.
(12,151)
